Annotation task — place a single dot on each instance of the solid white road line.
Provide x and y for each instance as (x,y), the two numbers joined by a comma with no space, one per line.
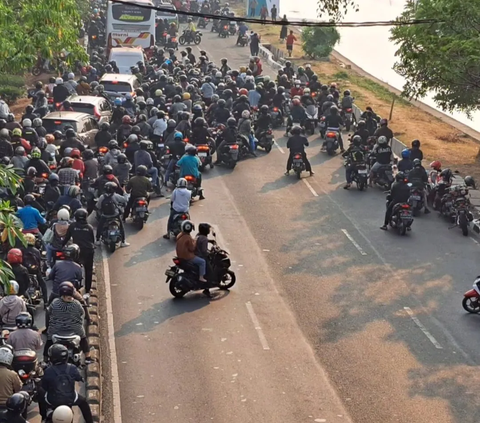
(117,410)
(363,253)
(310,187)
(256,324)
(474,240)
(423,328)
(279,148)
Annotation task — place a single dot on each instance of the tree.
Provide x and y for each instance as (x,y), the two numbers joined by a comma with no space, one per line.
(319,41)
(442,57)
(335,9)
(29,28)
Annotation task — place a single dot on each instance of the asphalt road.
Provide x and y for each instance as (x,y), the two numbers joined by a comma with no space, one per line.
(331,319)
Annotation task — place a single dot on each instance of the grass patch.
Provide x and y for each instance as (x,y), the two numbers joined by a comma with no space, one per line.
(12,81)
(341,75)
(379,90)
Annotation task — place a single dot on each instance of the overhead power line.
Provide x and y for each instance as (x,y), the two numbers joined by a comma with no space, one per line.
(303,23)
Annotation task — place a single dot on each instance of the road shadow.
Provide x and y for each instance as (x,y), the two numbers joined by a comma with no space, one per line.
(152,251)
(280,183)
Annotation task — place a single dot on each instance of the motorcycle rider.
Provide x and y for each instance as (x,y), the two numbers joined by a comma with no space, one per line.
(227,137)
(245,130)
(306,99)
(327,105)
(334,122)
(58,230)
(221,113)
(32,261)
(143,157)
(179,203)
(109,206)
(113,153)
(103,136)
(184,125)
(177,150)
(37,162)
(190,165)
(16,408)
(60,91)
(30,216)
(355,154)
(347,101)
(419,179)
(415,152)
(125,129)
(200,134)
(10,382)
(71,198)
(66,270)
(383,153)
(11,305)
(399,193)
(296,144)
(71,141)
(362,131)
(25,338)
(138,187)
(405,165)
(385,131)
(297,89)
(58,382)
(297,114)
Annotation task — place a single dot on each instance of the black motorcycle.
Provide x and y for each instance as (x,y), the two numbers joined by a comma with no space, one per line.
(140,212)
(402,217)
(224,32)
(25,363)
(188,37)
(183,276)
(205,156)
(265,140)
(111,235)
(360,177)
(298,165)
(416,199)
(177,221)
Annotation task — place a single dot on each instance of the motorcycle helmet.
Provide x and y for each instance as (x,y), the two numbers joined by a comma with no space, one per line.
(73,191)
(6,355)
(346,92)
(30,239)
(110,187)
(382,140)
(18,402)
(221,103)
(142,170)
(112,144)
(264,109)
(58,353)
(383,122)
(469,182)
(405,153)
(296,130)
(416,144)
(178,136)
(14,288)
(88,154)
(357,140)
(20,151)
(23,320)
(105,126)
(72,251)
(127,120)
(107,170)
(121,158)
(131,140)
(232,123)
(62,414)
(400,177)
(81,215)
(118,102)
(417,163)
(246,114)
(37,122)
(187,227)
(53,177)
(306,91)
(436,165)
(446,174)
(199,122)
(63,215)
(75,153)
(296,102)
(182,183)
(171,123)
(26,123)
(15,256)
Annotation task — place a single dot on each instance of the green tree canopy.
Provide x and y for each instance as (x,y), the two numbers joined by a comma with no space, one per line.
(335,9)
(444,57)
(319,41)
(32,27)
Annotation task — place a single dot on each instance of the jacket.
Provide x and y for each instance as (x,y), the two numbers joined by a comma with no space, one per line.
(81,234)
(10,384)
(139,186)
(297,144)
(30,217)
(63,271)
(185,247)
(10,307)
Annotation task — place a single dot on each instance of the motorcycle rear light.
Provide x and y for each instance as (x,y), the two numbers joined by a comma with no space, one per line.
(331,135)
(50,100)
(203,148)
(142,203)
(52,167)
(225,27)
(184,217)
(44,175)
(189,178)
(234,147)
(176,261)
(349,110)
(103,150)
(23,358)
(297,156)
(275,109)
(174,40)
(185,140)
(59,255)
(125,144)
(405,206)
(25,376)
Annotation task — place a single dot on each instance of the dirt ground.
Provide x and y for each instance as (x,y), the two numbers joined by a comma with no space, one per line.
(440,141)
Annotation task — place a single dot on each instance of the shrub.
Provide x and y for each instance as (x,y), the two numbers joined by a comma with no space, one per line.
(12,80)
(318,42)
(10,93)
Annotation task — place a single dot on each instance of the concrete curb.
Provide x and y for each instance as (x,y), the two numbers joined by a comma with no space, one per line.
(93,383)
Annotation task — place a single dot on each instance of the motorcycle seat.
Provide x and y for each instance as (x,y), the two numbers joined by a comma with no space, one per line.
(25,355)
(186,265)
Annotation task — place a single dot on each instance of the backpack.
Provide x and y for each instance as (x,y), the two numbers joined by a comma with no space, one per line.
(63,392)
(30,259)
(109,206)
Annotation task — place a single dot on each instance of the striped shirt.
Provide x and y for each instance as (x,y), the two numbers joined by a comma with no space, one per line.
(67,176)
(66,318)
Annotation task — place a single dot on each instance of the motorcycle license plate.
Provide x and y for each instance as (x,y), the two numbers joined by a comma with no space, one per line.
(169,272)
(297,162)
(406,213)
(202,154)
(160,145)
(416,197)
(362,171)
(141,209)
(113,233)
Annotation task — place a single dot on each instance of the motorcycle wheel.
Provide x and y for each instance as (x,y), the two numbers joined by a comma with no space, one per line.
(140,224)
(268,148)
(299,174)
(361,186)
(463,223)
(471,305)
(36,71)
(402,229)
(197,40)
(228,280)
(331,152)
(112,246)
(231,165)
(176,292)
(182,40)
(347,125)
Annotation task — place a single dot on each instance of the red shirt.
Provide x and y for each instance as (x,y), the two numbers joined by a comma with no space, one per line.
(290,39)
(79,165)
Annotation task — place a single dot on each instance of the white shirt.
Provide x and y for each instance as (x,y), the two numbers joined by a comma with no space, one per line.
(159,127)
(181,199)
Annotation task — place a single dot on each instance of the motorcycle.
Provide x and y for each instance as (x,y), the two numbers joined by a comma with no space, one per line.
(72,343)
(331,144)
(193,187)
(215,26)
(183,276)
(322,126)
(243,40)
(402,217)
(100,156)
(416,200)
(298,165)
(384,178)
(177,221)
(33,293)
(232,28)
(360,177)
(187,37)
(457,208)
(205,156)
(277,117)
(223,32)
(312,119)
(140,212)
(111,235)
(25,363)
(202,22)
(171,42)
(471,298)
(348,118)
(229,156)
(265,140)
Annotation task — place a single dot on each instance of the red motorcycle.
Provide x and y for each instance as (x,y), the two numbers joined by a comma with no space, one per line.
(471,298)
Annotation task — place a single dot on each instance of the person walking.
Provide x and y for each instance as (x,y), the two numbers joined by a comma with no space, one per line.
(253,7)
(263,14)
(284,30)
(254,44)
(290,41)
(274,12)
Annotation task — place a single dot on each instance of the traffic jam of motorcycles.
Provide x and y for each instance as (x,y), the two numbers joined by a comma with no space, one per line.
(103,139)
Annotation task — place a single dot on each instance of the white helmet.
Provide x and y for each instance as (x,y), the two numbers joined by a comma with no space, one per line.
(306,91)
(246,114)
(187,226)
(182,183)
(71,75)
(14,287)
(150,102)
(59,81)
(382,140)
(62,414)
(26,122)
(6,356)
(63,215)
(218,75)
(297,82)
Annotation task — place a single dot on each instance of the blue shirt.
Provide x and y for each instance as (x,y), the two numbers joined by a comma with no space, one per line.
(254,98)
(242,30)
(30,217)
(189,166)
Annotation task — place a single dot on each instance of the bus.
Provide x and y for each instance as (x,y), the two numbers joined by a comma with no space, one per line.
(130,25)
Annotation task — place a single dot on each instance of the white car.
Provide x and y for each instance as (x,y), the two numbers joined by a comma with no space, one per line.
(126,57)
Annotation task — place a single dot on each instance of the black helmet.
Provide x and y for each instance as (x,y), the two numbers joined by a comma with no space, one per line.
(199,122)
(346,92)
(107,170)
(417,163)
(280,89)
(296,130)
(416,144)
(105,126)
(31,171)
(264,109)
(171,123)
(333,110)
(28,199)
(177,98)
(121,158)
(58,353)
(446,174)
(112,144)
(400,177)
(142,170)
(357,140)
(70,133)
(88,154)
(187,226)
(110,187)
(18,402)
(53,177)
(23,320)
(81,215)
(469,181)
(221,103)
(143,145)
(231,122)
(72,251)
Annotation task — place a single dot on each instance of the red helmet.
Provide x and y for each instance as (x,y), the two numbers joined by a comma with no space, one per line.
(296,102)
(75,153)
(15,256)
(126,119)
(436,165)
(243,91)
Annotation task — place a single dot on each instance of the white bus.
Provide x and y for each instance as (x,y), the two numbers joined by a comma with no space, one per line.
(130,25)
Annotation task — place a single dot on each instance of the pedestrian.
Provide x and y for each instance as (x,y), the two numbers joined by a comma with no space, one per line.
(274,12)
(253,7)
(254,44)
(263,14)
(283,31)
(290,41)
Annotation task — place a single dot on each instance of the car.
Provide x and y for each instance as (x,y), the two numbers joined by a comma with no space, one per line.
(126,57)
(118,85)
(98,107)
(84,124)
(170,17)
